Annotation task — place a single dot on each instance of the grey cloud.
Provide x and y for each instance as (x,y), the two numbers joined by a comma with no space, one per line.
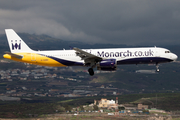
(131,22)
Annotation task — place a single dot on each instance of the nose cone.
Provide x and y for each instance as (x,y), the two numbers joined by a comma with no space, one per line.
(174,57)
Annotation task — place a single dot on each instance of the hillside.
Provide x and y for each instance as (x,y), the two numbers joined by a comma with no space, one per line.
(167,80)
(124,78)
(44,42)
(41,106)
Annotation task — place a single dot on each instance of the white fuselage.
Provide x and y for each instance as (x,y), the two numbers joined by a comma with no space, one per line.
(122,55)
(103,59)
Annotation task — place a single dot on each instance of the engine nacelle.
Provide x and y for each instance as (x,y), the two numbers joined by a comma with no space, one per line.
(107,65)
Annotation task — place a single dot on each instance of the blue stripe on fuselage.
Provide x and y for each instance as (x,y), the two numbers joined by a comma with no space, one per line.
(67,62)
(144,60)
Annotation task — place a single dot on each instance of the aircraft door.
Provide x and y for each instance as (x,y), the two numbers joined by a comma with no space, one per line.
(157,52)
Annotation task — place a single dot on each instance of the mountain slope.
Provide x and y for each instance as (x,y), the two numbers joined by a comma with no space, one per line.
(124,78)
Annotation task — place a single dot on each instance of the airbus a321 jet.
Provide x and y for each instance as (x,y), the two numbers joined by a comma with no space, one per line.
(103,59)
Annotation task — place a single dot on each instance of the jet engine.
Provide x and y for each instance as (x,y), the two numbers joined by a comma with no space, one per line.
(107,65)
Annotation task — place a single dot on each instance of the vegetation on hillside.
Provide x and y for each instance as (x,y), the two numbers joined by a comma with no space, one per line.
(169,102)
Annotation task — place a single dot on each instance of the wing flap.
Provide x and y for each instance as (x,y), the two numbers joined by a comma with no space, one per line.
(85,55)
(88,58)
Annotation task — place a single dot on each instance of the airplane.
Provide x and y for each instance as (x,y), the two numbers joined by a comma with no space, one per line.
(102,59)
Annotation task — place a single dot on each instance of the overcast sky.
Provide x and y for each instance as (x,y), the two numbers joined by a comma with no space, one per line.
(132,22)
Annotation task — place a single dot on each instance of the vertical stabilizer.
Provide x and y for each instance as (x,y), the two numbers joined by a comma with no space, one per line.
(16,44)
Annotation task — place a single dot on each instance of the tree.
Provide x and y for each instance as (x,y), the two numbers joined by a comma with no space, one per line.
(121,108)
(67,107)
(60,108)
(81,108)
(95,107)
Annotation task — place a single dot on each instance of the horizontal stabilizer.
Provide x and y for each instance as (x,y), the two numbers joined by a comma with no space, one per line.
(14,55)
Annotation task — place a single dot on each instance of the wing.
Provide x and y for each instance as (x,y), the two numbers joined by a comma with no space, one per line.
(87,57)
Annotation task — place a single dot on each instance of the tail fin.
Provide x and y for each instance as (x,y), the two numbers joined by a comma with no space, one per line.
(16,44)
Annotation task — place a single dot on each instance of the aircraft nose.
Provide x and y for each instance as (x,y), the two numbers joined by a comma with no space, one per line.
(174,57)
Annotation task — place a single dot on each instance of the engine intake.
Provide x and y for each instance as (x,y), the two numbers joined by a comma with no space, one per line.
(107,65)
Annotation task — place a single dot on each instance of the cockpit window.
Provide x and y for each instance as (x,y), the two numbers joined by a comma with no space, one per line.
(167,51)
